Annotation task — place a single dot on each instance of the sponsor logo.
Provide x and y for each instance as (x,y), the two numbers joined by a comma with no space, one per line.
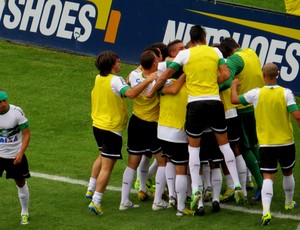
(286,53)
(63,19)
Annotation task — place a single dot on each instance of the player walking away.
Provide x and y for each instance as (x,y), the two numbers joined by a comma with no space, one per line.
(109,115)
(14,140)
(273,105)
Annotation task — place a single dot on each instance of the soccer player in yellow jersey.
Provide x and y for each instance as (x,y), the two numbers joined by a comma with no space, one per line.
(244,65)
(273,105)
(201,64)
(109,115)
(142,136)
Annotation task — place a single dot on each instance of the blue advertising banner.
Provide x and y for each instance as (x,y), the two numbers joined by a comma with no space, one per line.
(89,27)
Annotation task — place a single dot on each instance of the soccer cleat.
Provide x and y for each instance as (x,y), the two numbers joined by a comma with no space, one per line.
(184,212)
(143,196)
(292,206)
(195,199)
(128,205)
(216,206)
(249,185)
(137,184)
(24,219)
(265,219)
(238,195)
(172,201)
(228,195)
(199,211)
(150,186)
(89,194)
(208,194)
(95,209)
(160,206)
(257,196)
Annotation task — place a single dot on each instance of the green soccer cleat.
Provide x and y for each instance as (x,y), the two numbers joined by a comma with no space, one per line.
(265,219)
(95,209)
(195,199)
(137,184)
(291,207)
(24,219)
(239,195)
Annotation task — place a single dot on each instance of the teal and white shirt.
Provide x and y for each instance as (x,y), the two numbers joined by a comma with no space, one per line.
(12,123)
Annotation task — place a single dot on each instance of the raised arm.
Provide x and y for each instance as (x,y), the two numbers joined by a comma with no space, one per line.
(136,90)
(175,86)
(234,97)
(161,81)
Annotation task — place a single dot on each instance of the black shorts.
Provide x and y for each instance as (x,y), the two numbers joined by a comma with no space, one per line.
(142,137)
(271,156)
(205,114)
(178,152)
(210,150)
(109,143)
(17,172)
(233,129)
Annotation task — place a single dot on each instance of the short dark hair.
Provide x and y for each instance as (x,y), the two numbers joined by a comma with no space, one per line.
(147,58)
(105,62)
(161,46)
(197,33)
(171,45)
(228,45)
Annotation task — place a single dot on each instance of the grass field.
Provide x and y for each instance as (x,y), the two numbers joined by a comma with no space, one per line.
(54,88)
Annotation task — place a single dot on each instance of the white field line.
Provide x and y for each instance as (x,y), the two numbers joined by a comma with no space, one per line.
(225,206)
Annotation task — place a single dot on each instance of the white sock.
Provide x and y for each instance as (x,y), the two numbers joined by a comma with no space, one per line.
(170,176)
(160,182)
(216,182)
(181,190)
(153,168)
(288,183)
(242,172)
(97,197)
(23,194)
(143,172)
(206,176)
(92,184)
(194,165)
(229,182)
(230,162)
(128,177)
(266,195)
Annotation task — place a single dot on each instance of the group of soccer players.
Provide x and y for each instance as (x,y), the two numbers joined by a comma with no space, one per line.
(184,116)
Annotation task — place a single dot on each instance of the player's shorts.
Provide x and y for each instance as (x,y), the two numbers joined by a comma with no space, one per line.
(233,129)
(209,150)
(247,126)
(271,156)
(17,172)
(205,114)
(142,137)
(109,143)
(177,152)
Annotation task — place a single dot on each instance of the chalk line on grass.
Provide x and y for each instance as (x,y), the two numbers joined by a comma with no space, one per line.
(113,188)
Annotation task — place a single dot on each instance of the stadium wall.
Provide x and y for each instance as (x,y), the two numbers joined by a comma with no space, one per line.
(126,27)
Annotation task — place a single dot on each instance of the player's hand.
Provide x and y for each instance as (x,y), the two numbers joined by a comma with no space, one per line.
(153,76)
(235,82)
(18,159)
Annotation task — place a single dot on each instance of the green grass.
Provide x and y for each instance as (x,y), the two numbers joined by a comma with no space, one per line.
(54,89)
